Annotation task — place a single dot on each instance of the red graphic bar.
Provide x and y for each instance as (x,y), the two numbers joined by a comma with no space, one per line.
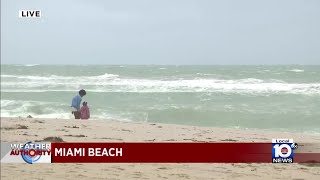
(169,153)
(307,157)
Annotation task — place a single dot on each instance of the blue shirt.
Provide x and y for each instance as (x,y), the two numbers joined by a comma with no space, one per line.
(76,101)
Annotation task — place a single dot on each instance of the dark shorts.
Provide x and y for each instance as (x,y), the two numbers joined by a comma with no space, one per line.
(77,114)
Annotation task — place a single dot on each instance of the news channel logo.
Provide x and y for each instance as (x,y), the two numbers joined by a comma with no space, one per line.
(29,154)
(283,150)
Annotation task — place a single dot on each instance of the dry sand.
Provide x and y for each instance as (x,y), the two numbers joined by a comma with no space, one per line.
(31,129)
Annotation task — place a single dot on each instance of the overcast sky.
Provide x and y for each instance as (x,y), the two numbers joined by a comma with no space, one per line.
(161,32)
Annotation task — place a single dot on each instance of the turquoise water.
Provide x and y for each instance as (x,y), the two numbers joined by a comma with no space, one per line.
(263,97)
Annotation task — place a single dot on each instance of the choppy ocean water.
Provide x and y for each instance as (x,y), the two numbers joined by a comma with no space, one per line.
(285,98)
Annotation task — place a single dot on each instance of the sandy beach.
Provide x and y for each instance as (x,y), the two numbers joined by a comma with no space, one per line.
(193,75)
(31,129)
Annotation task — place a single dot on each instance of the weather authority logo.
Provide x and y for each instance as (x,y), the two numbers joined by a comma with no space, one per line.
(283,150)
(30,152)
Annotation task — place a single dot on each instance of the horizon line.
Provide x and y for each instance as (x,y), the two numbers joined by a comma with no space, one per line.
(36,64)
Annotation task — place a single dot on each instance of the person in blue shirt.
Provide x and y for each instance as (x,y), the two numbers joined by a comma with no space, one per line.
(76,102)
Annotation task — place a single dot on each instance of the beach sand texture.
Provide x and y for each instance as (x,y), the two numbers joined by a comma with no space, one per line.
(32,129)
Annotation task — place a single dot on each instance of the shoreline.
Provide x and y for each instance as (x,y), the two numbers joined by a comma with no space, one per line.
(267,131)
(200,133)
(35,129)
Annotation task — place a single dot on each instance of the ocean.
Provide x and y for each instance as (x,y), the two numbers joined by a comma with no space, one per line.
(278,98)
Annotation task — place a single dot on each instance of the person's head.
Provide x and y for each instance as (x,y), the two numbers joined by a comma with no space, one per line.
(82,92)
(84,103)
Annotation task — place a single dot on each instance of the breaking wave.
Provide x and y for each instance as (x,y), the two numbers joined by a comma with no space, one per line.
(296,70)
(114,83)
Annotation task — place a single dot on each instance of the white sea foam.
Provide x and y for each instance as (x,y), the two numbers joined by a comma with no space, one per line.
(104,76)
(115,83)
(296,70)
(55,77)
(40,109)
(145,87)
(5,103)
(7,75)
(31,65)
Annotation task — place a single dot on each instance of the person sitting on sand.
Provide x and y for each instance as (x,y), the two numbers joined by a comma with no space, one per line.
(75,104)
(85,112)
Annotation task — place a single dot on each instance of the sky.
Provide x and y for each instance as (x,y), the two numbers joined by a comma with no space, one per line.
(162,32)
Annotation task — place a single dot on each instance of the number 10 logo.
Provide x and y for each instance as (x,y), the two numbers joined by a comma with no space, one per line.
(283,150)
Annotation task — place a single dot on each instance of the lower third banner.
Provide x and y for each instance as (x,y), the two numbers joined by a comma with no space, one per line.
(178,153)
(278,151)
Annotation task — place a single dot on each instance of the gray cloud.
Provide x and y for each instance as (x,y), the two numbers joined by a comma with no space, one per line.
(162,32)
